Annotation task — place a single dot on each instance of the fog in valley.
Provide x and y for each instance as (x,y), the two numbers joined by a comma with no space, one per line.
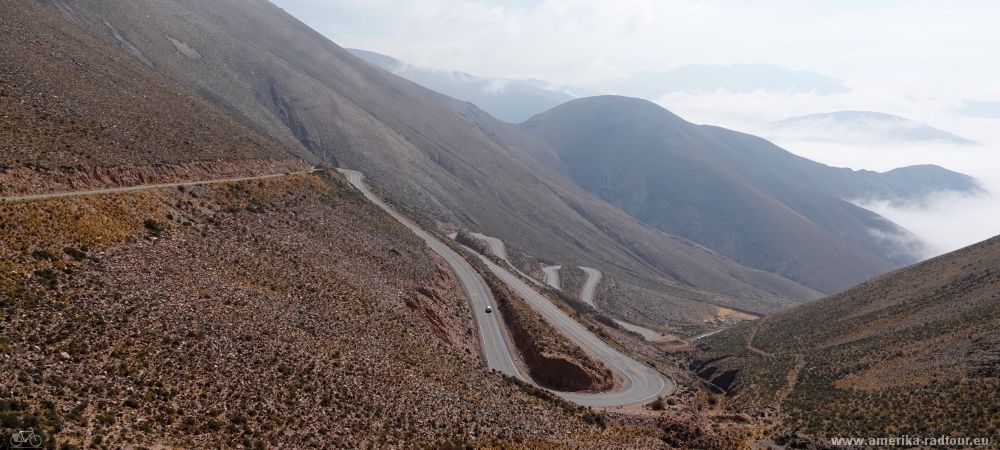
(945,220)
(928,62)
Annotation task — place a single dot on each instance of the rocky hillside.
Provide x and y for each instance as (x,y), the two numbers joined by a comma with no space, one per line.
(68,100)
(913,352)
(213,316)
(280,312)
(283,78)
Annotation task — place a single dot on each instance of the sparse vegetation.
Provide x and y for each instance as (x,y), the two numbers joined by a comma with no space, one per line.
(347,328)
(43,254)
(75,253)
(154,226)
(913,352)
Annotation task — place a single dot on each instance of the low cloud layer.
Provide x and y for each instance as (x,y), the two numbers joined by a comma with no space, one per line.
(944,221)
(920,59)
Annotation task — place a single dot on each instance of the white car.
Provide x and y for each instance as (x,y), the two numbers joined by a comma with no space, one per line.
(489,309)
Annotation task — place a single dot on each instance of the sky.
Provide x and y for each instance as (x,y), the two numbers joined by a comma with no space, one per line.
(916,58)
(926,43)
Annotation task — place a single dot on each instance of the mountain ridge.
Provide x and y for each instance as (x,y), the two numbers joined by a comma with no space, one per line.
(278,75)
(685,179)
(875,356)
(864,125)
(512,101)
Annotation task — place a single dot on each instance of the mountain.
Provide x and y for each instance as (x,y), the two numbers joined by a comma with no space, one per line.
(915,352)
(512,101)
(734,193)
(284,79)
(863,126)
(263,313)
(980,109)
(741,78)
(69,102)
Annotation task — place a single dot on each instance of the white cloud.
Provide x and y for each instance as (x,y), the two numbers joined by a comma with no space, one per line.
(945,221)
(914,58)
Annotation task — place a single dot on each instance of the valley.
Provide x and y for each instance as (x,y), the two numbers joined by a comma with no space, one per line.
(220,228)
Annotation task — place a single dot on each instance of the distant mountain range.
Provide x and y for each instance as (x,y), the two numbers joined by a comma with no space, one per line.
(269,310)
(733,78)
(553,185)
(276,74)
(867,126)
(734,193)
(509,100)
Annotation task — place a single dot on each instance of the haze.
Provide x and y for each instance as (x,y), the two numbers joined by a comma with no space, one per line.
(917,59)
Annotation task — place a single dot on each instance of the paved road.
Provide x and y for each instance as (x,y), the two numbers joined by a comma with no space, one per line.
(643,382)
(144,187)
(587,292)
(552,276)
(498,356)
(499,249)
(587,295)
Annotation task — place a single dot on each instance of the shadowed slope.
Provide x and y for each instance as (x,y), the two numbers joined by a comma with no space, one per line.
(286,79)
(734,193)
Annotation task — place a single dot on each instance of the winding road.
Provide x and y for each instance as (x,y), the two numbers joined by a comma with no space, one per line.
(642,383)
(587,296)
(552,276)
(499,249)
(589,286)
(495,348)
(145,187)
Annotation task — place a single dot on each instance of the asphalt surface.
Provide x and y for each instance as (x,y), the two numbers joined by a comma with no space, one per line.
(495,349)
(499,249)
(587,292)
(552,276)
(643,383)
(587,296)
(143,187)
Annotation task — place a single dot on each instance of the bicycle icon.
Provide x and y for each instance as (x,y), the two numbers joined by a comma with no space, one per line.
(25,439)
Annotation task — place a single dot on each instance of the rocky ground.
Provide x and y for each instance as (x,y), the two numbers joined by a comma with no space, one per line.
(674,312)
(913,352)
(259,314)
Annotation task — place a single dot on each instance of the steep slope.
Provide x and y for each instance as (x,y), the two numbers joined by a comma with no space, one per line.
(734,193)
(277,74)
(914,352)
(255,314)
(863,126)
(512,101)
(69,100)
